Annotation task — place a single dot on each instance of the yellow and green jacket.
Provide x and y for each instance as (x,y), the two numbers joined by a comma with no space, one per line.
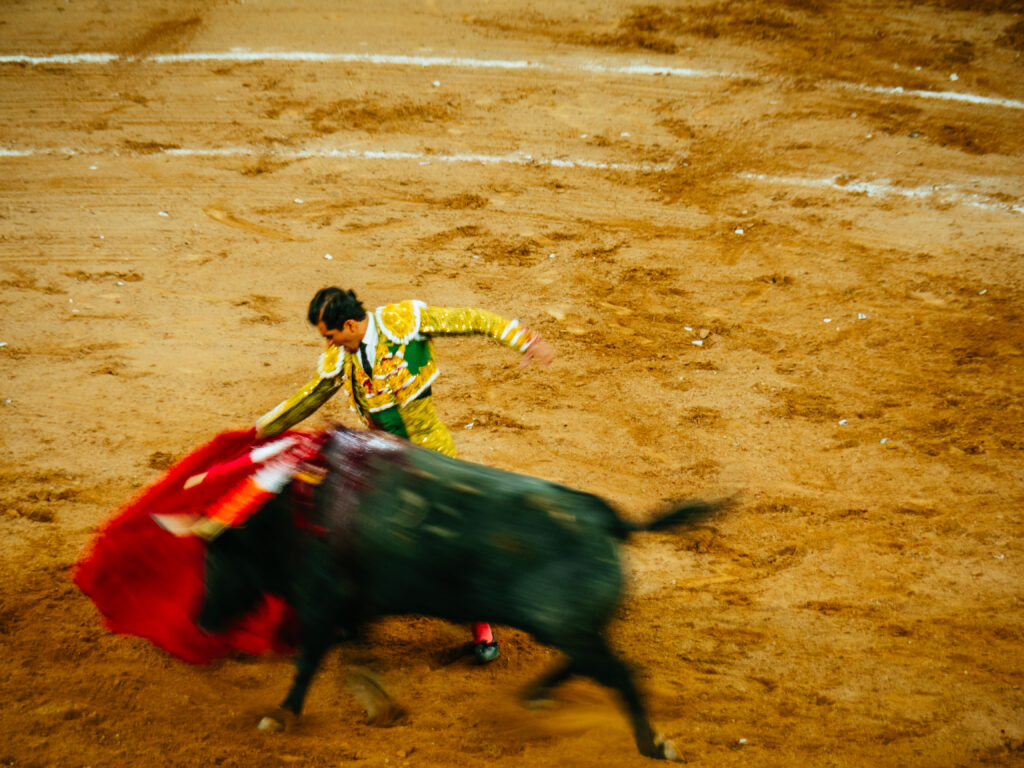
(404,365)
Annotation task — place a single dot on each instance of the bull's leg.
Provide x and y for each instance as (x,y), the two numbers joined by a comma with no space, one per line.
(315,640)
(319,604)
(315,645)
(594,659)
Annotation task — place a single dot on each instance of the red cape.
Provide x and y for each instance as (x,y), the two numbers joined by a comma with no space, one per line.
(148,582)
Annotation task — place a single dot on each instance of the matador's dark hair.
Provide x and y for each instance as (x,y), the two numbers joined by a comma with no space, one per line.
(334,306)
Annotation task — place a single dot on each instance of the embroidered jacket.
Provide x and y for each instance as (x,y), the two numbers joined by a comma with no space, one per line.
(403,365)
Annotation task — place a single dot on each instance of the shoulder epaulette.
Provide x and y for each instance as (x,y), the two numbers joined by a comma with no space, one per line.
(330,362)
(400,322)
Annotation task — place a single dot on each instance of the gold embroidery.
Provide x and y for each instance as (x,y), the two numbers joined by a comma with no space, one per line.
(392,384)
(400,322)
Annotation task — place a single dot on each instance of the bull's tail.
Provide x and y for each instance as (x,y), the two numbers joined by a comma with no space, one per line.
(691,512)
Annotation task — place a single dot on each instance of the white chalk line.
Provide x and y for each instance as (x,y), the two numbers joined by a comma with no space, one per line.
(249,57)
(946,95)
(943,193)
(426,62)
(514,158)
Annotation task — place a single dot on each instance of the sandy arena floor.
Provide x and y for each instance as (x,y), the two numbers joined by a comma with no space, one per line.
(777,245)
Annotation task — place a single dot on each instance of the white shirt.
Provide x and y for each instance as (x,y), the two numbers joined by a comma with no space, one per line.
(370,340)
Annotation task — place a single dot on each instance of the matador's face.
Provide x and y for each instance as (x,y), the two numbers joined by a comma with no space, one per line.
(348,336)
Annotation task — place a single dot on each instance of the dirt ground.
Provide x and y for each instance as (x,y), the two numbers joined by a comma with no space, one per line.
(777,246)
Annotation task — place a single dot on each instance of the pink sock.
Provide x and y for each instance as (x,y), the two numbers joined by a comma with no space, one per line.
(482,633)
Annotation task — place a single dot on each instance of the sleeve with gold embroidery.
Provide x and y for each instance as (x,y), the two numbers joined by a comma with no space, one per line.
(297,407)
(440,321)
(307,400)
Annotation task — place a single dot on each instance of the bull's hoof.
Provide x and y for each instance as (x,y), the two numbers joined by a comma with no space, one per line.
(666,750)
(279,720)
(385,717)
(486,652)
(270,725)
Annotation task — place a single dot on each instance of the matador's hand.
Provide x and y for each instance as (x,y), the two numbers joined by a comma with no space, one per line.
(540,351)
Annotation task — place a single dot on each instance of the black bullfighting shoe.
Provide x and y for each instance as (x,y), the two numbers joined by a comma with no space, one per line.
(486,652)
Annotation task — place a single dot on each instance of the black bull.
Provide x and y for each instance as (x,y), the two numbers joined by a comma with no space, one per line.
(396,529)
